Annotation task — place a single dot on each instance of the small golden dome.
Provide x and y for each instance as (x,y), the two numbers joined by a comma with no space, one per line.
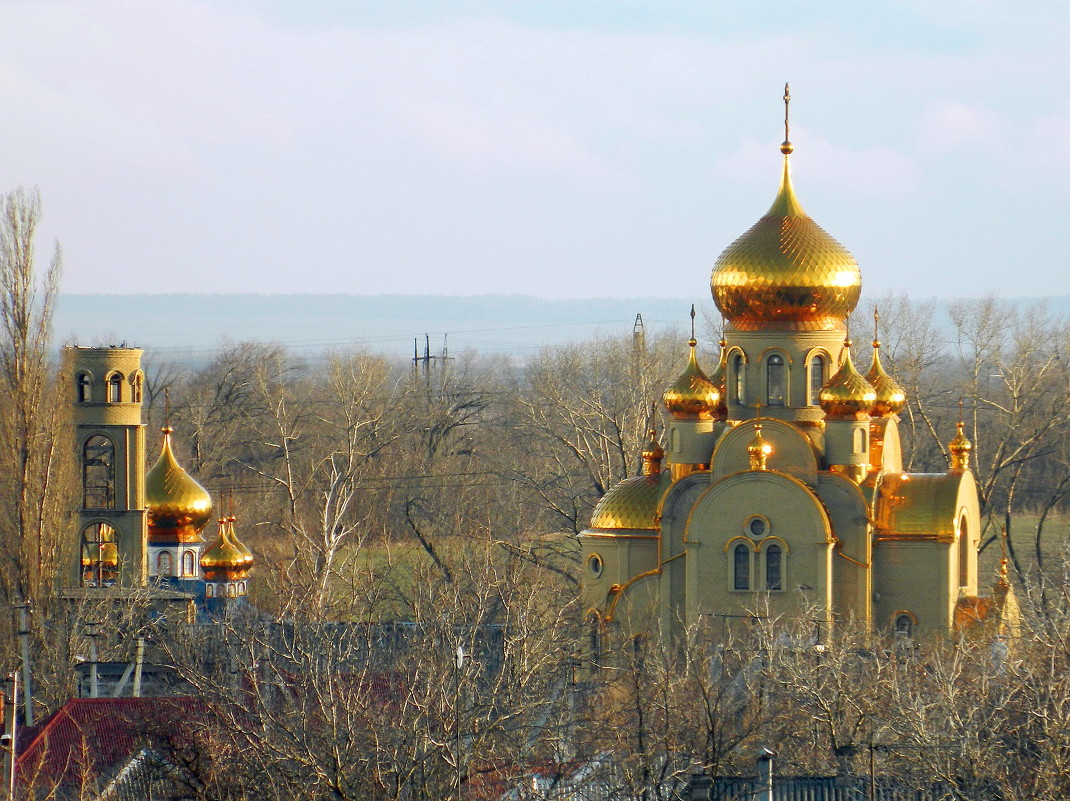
(630,505)
(891,399)
(758,449)
(178,507)
(960,448)
(653,453)
(247,555)
(847,393)
(224,555)
(692,396)
(786,271)
(719,378)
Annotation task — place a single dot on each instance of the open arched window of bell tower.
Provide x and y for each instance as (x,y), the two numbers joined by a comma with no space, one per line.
(776,383)
(98,473)
(99,555)
(85,387)
(136,382)
(115,388)
(817,379)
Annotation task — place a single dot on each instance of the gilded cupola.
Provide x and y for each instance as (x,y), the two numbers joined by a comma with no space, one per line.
(226,558)
(891,399)
(786,271)
(960,446)
(847,393)
(178,507)
(692,396)
(719,379)
(758,449)
(653,453)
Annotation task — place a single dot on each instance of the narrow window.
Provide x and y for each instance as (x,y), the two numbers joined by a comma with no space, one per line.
(98,473)
(135,387)
(165,564)
(817,379)
(115,388)
(773,562)
(85,388)
(232,591)
(741,568)
(187,564)
(209,590)
(739,394)
(774,380)
(860,440)
(596,641)
(100,556)
(904,626)
(964,553)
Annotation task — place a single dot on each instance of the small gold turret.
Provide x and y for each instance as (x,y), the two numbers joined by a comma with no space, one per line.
(719,379)
(847,394)
(692,396)
(960,446)
(653,453)
(758,449)
(891,399)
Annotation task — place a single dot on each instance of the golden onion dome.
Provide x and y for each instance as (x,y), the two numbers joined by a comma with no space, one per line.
(847,393)
(719,378)
(891,399)
(960,448)
(692,396)
(223,554)
(652,455)
(247,555)
(631,505)
(786,270)
(758,449)
(177,505)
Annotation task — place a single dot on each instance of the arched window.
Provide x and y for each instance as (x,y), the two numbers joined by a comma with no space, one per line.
(904,625)
(209,590)
(860,440)
(232,591)
(774,380)
(165,564)
(98,473)
(741,567)
(964,553)
(187,564)
(100,556)
(739,376)
(135,387)
(774,568)
(85,388)
(115,388)
(817,379)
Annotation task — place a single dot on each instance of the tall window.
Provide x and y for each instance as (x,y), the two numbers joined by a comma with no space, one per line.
(817,379)
(964,554)
(773,568)
(135,387)
(98,473)
(187,564)
(774,380)
(115,388)
(100,556)
(739,375)
(741,567)
(165,564)
(85,388)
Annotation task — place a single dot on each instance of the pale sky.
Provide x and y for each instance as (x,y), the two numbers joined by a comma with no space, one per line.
(560,148)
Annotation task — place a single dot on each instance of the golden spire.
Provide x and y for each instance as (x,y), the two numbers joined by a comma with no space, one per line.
(653,453)
(692,396)
(758,449)
(847,393)
(786,271)
(960,447)
(891,399)
(178,507)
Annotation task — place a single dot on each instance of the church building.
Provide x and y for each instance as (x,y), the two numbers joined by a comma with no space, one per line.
(781,487)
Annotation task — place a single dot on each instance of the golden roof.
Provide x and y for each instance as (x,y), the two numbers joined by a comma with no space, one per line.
(692,396)
(177,505)
(631,505)
(847,393)
(226,553)
(918,506)
(786,270)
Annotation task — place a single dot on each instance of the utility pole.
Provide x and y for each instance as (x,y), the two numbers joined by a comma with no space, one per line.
(9,737)
(23,608)
(92,632)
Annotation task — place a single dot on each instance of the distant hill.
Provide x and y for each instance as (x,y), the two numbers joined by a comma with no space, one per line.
(191,327)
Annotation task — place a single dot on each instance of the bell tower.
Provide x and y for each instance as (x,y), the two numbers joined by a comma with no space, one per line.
(109,438)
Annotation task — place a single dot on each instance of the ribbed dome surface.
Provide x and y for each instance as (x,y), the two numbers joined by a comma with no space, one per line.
(786,271)
(632,505)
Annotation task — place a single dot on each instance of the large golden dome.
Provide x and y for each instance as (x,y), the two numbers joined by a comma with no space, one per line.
(786,271)
(178,507)
(630,505)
